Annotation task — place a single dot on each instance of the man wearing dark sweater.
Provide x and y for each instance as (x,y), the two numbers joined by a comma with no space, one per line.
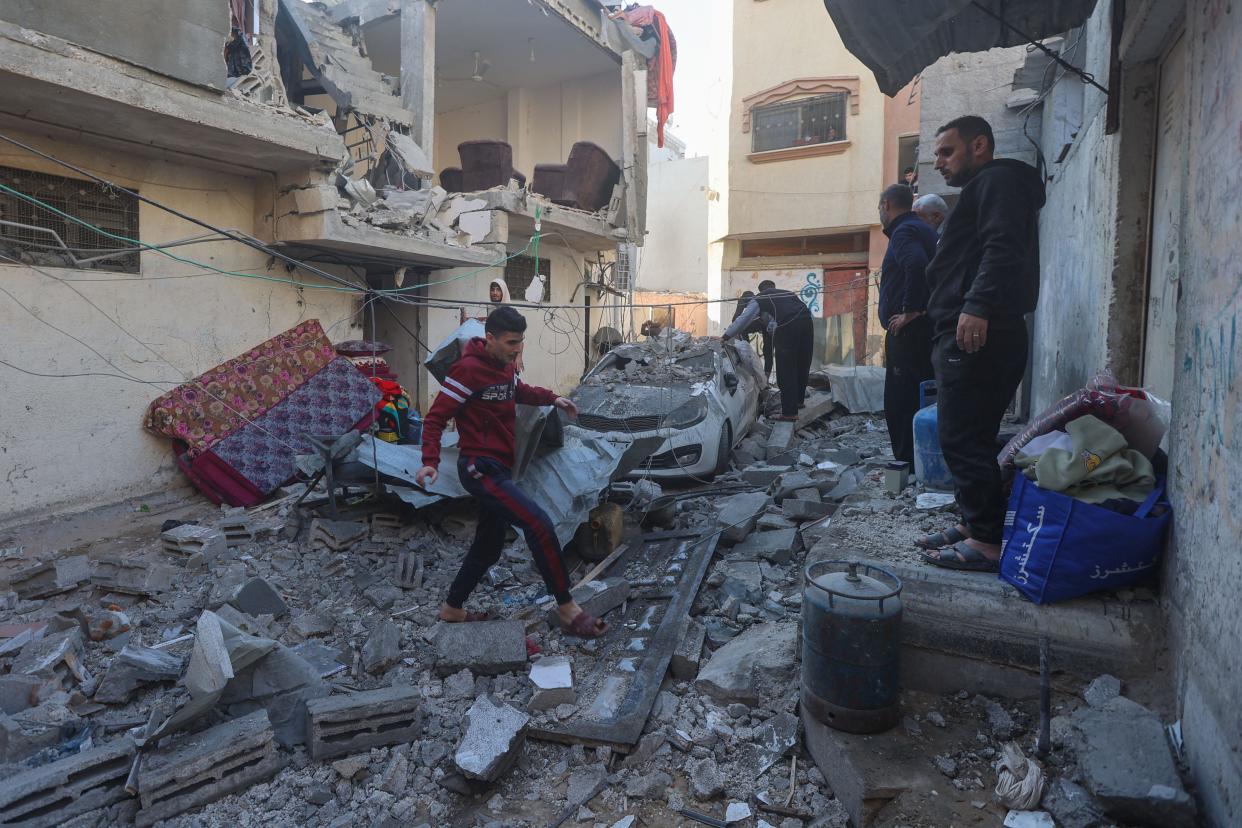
(481,393)
(984,280)
(903,314)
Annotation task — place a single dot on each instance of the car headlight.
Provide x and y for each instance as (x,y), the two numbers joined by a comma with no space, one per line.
(690,413)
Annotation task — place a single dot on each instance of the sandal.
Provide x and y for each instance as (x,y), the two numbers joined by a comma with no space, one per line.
(963,557)
(586,625)
(471,617)
(939,540)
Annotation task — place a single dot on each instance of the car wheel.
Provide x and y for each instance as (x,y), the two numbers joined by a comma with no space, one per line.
(724,451)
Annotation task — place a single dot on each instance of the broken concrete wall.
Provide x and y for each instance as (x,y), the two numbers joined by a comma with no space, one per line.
(192,318)
(183,39)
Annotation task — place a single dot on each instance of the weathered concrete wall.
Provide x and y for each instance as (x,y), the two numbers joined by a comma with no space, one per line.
(487,120)
(1206,439)
(1077,231)
(70,443)
(687,310)
(180,38)
(976,83)
(1094,232)
(674,256)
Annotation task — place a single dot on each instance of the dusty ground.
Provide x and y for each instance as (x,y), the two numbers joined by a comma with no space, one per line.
(698,752)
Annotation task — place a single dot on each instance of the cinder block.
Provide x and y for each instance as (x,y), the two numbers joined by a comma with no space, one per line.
(207,766)
(352,724)
(336,535)
(780,440)
(236,528)
(50,795)
(183,542)
(133,577)
(42,580)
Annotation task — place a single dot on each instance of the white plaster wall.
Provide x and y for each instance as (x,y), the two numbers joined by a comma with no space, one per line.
(72,443)
(487,120)
(675,255)
(555,347)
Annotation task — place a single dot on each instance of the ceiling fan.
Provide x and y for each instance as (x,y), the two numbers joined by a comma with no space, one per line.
(481,68)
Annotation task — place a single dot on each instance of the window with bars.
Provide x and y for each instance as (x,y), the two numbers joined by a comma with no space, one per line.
(818,120)
(34,234)
(520,271)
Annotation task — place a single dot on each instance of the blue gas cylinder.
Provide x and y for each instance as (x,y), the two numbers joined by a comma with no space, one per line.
(929,465)
(416,428)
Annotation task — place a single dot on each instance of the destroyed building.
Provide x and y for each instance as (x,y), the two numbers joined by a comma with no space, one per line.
(422,148)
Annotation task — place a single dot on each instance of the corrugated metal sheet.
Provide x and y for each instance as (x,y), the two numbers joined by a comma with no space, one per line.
(897,39)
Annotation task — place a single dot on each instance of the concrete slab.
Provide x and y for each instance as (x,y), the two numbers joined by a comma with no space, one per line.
(597,597)
(258,597)
(981,617)
(382,648)
(738,514)
(553,680)
(355,723)
(802,511)
(752,665)
(494,735)
(866,772)
(780,440)
(817,406)
(485,648)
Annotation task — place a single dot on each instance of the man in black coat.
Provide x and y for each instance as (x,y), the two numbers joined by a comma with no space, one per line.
(793,334)
(984,280)
(903,314)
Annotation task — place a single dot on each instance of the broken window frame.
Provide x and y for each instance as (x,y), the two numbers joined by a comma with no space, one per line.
(834,115)
(520,271)
(30,228)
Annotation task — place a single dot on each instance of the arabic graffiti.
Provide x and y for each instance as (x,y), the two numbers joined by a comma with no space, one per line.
(812,291)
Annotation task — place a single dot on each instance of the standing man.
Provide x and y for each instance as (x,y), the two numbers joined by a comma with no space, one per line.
(932,210)
(793,335)
(481,392)
(984,280)
(903,314)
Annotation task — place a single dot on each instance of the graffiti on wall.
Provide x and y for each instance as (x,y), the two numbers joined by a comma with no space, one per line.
(807,283)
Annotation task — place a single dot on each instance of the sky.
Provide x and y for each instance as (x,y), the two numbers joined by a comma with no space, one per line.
(698,97)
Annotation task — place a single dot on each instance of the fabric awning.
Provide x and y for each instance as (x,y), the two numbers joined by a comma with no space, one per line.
(897,39)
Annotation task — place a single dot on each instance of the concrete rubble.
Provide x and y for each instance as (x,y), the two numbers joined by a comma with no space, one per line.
(302,678)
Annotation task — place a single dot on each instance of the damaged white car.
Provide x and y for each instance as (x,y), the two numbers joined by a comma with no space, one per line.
(699,395)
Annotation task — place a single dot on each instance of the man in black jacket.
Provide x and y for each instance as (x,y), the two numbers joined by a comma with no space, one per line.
(984,280)
(793,334)
(903,314)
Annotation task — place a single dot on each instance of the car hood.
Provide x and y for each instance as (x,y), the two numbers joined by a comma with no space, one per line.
(626,401)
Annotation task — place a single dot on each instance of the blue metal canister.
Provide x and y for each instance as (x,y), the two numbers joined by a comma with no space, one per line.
(851,641)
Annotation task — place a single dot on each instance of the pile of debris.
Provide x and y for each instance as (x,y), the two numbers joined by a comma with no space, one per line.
(254,666)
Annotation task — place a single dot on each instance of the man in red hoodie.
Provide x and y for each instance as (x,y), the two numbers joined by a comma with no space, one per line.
(481,393)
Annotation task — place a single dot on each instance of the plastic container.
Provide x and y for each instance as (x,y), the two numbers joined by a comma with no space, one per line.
(929,466)
(416,428)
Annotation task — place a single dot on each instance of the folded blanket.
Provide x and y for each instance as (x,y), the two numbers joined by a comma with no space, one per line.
(1099,465)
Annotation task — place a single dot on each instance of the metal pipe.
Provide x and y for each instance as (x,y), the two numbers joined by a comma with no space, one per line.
(1042,743)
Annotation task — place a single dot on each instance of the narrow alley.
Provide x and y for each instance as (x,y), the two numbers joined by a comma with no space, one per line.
(547,413)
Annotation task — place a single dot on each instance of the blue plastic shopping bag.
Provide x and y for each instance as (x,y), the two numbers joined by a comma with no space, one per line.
(1057,548)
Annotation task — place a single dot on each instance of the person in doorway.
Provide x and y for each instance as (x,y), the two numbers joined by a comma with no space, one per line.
(760,326)
(481,392)
(903,315)
(984,279)
(793,335)
(932,209)
(497,296)
(910,177)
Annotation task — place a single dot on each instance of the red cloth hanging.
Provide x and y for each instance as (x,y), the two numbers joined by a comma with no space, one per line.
(661,65)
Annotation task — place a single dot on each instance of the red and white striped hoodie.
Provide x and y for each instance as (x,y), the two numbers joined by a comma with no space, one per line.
(481,394)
